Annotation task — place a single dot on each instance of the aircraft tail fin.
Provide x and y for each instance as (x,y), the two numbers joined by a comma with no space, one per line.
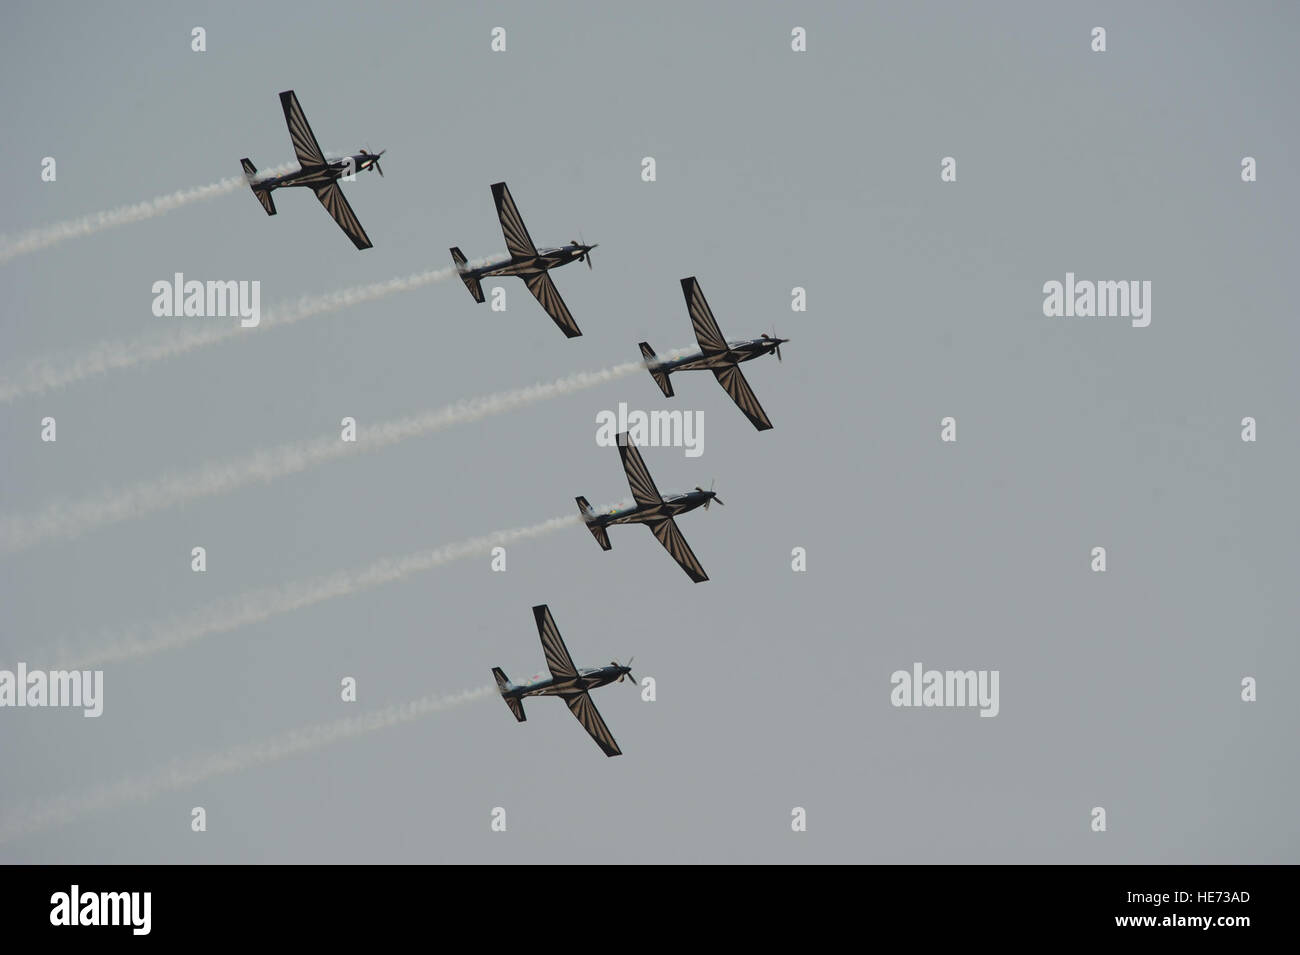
(263,195)
(471,283)
(598,532)
(660,377)
(503,684)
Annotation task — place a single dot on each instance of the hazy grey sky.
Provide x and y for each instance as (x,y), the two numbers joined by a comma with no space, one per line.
(775,169)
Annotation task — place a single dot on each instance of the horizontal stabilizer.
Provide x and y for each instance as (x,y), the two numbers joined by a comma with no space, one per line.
(660,377)
(601,535)
(503,684)
(598,532)
(263,195)
(471,282)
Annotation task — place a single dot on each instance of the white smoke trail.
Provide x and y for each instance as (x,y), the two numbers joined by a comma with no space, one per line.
(66,520)
(45,374)
(41,238)
(259,605)
(182,774)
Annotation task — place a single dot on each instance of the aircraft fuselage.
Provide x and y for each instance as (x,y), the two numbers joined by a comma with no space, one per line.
(673,504)
(313,176)
(543,261)
(736,353)
(588,678)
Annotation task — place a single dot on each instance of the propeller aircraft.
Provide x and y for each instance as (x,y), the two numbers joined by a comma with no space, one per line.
(315,172)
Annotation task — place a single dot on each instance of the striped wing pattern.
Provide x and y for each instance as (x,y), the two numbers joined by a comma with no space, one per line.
(544,291)
(305,146)
(643,487)
(336,204)
(580,705)
(730,378)
(671,537)
(707,332)
(558,660)
(518,241)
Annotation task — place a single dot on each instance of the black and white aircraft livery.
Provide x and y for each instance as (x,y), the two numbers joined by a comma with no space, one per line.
(566,681)
(526,261)
(317,173)
(652,509)
(717,355)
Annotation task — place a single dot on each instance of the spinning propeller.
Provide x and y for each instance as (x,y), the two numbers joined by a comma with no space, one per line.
(628,675)
(712,495)
(586,256)
(778,341)
(375,163)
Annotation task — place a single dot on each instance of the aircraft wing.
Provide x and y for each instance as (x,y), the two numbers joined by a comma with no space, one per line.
(643,487)
(512,224)
(734,382)
(544,291)
(670,536)
(707,332)
(332,198)
(304,140)
(557,655)
(580,705)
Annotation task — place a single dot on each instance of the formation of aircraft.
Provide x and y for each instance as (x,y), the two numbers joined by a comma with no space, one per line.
(717,355)
(652,509)
(530,263)
(315,172)
(566,681)
(533,265)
